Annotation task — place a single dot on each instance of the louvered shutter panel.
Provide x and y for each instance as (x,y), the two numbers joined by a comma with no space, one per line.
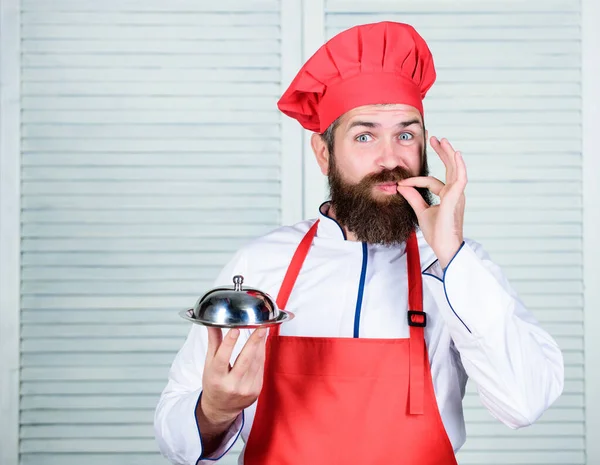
(508,96)
(150,153)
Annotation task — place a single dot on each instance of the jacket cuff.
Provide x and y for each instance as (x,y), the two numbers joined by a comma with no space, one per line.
(229,439)
(477,300)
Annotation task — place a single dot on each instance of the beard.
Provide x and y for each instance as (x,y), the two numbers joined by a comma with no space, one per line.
(387,220)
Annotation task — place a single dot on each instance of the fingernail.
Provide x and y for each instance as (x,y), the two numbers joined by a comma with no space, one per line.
(261,332)
(234,333)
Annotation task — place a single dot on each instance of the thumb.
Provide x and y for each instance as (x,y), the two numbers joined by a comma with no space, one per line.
(414,198)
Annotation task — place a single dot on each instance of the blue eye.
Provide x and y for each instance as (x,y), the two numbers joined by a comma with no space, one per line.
(363,138)
(406,136)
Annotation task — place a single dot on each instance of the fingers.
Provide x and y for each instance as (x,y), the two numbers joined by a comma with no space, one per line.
(446,153)
(220,362)
(255,371)
(461,169)
(414,198)
(258,376)
(457,188)
(215,337)
(249,353)
(436,145)
(429,182)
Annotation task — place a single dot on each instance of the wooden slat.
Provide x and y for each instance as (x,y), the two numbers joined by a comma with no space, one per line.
(137,244)
(96,373)
(108,33)
(43,194)
(524,216)
(503,457)
(86,431)
(83,402)
(341,16)
(92,387)
(148,117)
(566,244)
(132,60)
(241,135)
(538,187)
(255,46)
(526,444)
(192,160)
(121,173)
(98,459)
(553,415)
(137,102)
(566,400)
(491,34)
(101,302)
(154,18)
(83,287)
(541,429)
(36,360)
(523,147)
(129,74)
(484,89)
(495,131)
(553,273)
(134,6)
(449,7)
(229,216)
(514,230)
(89,445)
(163,198)
(124,230)
(131,272)
(66,331)
(117,315)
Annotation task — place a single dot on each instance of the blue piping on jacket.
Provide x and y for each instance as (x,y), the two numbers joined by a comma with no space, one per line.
(361,289)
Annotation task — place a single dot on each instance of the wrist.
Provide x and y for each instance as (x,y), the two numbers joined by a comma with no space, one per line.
(215,418)
(447,253)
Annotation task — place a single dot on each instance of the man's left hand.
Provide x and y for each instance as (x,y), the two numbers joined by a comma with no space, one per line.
(442,224)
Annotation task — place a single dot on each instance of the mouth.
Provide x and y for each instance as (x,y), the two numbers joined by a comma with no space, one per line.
(387,187)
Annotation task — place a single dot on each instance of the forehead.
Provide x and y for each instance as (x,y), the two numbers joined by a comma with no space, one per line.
(385,115)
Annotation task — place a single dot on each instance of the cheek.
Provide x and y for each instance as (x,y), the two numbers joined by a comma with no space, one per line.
(414,158)
(353,164)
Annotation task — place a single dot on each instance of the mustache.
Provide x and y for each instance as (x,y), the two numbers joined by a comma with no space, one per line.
(396,174)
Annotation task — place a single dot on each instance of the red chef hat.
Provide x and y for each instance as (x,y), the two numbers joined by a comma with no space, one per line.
(383,62)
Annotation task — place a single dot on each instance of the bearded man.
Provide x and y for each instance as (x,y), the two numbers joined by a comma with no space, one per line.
(394,308)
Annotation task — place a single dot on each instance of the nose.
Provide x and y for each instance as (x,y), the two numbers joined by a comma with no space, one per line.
(387,158)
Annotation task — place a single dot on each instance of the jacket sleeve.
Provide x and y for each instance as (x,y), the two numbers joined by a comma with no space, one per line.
(516,365)
(176,430)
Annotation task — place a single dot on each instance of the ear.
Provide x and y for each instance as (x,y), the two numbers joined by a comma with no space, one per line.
(321,152)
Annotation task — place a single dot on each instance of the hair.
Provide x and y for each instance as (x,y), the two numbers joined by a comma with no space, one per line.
(329,135)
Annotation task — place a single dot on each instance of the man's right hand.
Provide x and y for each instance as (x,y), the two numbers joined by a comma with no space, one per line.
(227,390)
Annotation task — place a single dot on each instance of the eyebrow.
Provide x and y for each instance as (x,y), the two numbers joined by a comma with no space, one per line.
(370,124)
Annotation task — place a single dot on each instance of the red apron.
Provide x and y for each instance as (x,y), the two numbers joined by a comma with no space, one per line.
(334,401)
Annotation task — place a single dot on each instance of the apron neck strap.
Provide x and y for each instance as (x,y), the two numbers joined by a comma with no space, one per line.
(294,270)
(416,323)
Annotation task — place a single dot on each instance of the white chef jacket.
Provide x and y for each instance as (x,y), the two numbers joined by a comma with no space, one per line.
(476,328)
